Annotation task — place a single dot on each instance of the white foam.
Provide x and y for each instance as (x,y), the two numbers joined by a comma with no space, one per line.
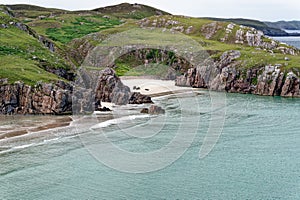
(23,146)
(118,121)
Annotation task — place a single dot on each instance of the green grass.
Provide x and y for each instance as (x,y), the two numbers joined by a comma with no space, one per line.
(80,27)
(130,11)
(250,56)
(15,69)
(24,57)
(152,69)
(16,42)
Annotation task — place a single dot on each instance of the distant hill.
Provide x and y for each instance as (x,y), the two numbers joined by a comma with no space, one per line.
(287,25)
(269,28)
(135,11)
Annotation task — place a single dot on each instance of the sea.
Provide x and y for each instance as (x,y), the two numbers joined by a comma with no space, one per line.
(293,41)
(207,145)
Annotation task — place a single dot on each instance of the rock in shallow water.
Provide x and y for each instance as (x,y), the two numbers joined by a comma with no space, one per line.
(156,110)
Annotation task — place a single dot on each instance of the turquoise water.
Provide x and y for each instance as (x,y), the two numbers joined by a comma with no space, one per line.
(256,157)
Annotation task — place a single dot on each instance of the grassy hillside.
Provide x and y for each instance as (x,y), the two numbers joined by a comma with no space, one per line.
(22,57)
(130,11)
(250,56)
(74,33)
(64,26)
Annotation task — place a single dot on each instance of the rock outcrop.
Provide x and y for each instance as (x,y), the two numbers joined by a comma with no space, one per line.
(138,98)
(153,110)
(45,41)
(63,98)
(156,110)
(40,99)
(268,80)
(111,89)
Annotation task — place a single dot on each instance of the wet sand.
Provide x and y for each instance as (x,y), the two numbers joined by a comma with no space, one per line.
(12,126)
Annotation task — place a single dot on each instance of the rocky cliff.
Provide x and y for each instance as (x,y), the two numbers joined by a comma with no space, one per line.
(61,97)
(42,98)
(111,89)
(227,76)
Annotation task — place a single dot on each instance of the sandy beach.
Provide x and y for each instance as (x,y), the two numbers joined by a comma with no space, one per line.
(12,126)
(153,87)
(149,86)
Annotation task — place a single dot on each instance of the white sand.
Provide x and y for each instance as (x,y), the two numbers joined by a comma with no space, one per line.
(153,87)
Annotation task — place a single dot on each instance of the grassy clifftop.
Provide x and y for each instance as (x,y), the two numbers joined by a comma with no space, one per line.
(215,37)
(27,32)
(24,56)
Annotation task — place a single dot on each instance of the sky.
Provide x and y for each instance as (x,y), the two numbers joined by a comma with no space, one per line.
(265,10)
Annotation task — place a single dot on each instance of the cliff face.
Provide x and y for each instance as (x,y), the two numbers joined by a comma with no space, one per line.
(111,89)
(40,99)
(268,80)
(63,98)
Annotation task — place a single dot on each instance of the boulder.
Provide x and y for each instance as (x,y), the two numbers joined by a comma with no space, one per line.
(104,109)
(291,86)
(156,110)
(111,89)
(138,98)
(145,110)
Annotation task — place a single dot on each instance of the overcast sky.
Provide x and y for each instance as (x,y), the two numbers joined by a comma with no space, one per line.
(268,10)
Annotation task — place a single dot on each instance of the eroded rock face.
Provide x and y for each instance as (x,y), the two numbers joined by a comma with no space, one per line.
(156,110)
(268,80)
(138,98)
(40,99)
(291,86)
(46,42)
(111,89)
(209,30)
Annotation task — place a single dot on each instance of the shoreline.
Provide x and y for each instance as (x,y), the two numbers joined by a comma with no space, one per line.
(31,125)
(154,87)
(14,126)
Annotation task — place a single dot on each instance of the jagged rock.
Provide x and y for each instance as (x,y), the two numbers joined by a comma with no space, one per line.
(111,89)
(120,94)
(286,50)
(104,109)
(4,26)
(145,110)
(227,58)
(268,80)
(189,30)
(3,81)
(40,99)
(138,98)
(156,110)
(209,30)
(47,43)
(291,86)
